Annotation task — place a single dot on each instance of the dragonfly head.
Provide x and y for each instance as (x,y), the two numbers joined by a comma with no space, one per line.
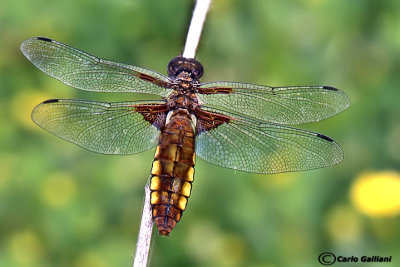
(181,64)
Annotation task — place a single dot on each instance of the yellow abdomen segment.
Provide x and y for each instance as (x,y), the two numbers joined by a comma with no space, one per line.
(172,172)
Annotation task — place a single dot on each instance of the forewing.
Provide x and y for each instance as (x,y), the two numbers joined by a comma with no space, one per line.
(247,145)
(284,105)
(86,72)
(108,128)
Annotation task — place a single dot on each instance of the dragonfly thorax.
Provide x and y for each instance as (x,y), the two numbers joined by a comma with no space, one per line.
(182,99)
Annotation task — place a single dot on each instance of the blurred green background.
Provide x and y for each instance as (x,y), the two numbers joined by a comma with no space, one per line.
(63,206)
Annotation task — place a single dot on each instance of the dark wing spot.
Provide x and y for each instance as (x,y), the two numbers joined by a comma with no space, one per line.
(50,101)
(330,88)
(44,39)
(324,137)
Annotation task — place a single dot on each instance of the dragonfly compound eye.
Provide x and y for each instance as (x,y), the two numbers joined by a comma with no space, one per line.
(189,65)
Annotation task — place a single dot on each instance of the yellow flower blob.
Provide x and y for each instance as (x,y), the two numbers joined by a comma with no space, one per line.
(90,259)
(377,194)
(59,190)
(22,105)
(26,248)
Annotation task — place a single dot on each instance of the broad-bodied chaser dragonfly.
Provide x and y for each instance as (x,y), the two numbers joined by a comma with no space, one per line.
(229,124)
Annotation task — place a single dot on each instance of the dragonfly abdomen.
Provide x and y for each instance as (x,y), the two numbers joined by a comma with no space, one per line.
(172,171)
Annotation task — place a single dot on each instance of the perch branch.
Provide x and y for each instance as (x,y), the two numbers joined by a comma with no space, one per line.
(195,28)
(145,232)
(146,225)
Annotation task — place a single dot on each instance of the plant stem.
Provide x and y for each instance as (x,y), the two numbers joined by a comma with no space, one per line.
(146,225)
(145,232)
(195,28)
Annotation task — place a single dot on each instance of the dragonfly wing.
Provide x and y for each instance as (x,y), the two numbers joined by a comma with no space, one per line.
(108,128)
(247,145)
(284,105)
(86,72)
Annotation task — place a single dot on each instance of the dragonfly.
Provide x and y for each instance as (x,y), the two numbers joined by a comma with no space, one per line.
(241,126)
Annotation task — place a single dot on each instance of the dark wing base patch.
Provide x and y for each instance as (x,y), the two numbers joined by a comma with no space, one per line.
(207,120)
(155,114)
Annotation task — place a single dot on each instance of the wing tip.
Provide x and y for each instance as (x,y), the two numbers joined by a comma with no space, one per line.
(37,108)
(25,45)
(345,98)
(40,38)
(23,48)
(339,155)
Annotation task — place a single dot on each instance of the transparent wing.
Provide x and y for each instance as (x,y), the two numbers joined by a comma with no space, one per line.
(86,72)
(284,105)
(108,128)
(251,146)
